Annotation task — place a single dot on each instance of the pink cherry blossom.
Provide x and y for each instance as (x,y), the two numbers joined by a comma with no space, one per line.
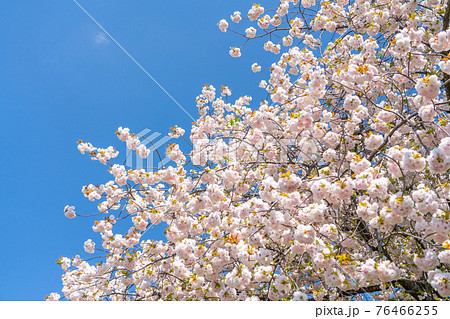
(331,183)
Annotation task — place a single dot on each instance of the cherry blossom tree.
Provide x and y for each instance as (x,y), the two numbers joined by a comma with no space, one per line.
(335,187)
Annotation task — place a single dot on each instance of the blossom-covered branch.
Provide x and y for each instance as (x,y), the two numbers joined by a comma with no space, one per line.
(335,188)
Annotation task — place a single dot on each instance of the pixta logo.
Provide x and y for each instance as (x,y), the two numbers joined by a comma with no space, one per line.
(157,157)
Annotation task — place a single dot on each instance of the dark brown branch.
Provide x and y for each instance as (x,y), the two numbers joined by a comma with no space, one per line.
(415,288)
(446,20)
(386,139)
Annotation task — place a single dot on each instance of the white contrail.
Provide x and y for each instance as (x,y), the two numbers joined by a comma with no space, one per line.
(134,60)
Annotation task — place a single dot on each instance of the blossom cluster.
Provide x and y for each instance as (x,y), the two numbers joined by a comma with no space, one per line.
(335,186)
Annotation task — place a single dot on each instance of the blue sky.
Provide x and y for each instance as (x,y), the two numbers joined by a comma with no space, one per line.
(62,80)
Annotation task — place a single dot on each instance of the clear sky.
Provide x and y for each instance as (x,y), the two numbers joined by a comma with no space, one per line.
(62,80)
